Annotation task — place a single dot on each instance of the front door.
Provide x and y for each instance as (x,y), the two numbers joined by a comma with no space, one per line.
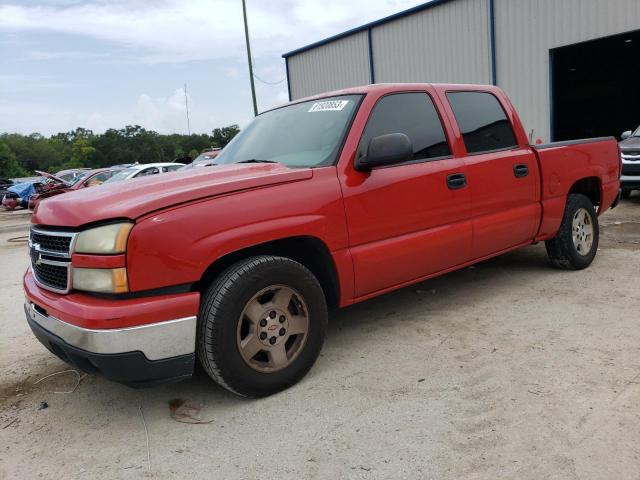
(412,219)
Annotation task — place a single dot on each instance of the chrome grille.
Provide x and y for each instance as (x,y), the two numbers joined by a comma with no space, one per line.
(50,254)
(53,277)
(57,244)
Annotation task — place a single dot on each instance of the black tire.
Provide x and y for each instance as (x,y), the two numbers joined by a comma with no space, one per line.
(220,312)
(625,194)
(561,250)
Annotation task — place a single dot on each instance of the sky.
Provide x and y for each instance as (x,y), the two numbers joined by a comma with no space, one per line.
(109,63)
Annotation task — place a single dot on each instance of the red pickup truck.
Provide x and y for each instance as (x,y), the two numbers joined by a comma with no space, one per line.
(319,204)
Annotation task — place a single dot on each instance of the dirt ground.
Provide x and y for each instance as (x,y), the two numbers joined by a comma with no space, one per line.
(509,369)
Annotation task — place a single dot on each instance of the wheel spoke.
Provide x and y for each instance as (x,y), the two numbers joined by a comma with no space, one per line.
(588,229)
(250,346)
(282,298)
(297,324)
(278,355)
(254,311)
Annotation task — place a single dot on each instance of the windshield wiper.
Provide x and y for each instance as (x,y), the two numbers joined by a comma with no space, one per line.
(256,160)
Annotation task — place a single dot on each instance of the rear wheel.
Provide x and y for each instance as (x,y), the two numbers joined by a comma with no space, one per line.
(261,325)
(576,244)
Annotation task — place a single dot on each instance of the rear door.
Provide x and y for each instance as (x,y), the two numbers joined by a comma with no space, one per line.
(502,173)
(411,219)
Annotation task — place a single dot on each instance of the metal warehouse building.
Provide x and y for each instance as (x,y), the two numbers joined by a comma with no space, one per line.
(571,67)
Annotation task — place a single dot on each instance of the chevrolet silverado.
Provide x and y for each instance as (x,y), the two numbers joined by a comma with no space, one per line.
(319,204)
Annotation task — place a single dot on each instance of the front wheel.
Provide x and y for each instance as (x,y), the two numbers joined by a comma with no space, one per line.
(576,244)
(625,194)
(261,326)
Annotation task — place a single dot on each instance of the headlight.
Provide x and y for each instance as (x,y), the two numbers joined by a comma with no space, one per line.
(102,280)
(104,240)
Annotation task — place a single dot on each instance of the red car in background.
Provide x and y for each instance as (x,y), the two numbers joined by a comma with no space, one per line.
(56,185)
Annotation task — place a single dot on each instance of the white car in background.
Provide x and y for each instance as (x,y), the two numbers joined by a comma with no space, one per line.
(144,170)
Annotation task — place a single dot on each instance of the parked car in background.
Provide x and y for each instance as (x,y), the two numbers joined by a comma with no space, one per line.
(205,159)
(318,204)
(122,165)
(71,174)
(87,178)
(145,170)
(630,150)
(18,194)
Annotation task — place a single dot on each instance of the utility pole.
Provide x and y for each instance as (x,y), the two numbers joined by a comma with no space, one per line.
(186,106)
(246,36)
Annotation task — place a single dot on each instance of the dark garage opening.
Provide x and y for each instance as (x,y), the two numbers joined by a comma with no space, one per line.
(596,87)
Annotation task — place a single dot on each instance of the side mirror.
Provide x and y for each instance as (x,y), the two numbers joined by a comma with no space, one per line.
(385,150)
(626,135)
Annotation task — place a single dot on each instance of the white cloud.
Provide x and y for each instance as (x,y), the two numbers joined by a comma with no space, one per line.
(95,122)
(51,86)
(162,114)
(174,30)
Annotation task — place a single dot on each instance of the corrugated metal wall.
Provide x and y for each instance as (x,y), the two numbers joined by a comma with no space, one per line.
(339,64)
(450,42)
(445,44)
(527,29)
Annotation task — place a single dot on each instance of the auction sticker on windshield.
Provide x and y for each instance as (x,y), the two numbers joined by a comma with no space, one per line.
(328,105)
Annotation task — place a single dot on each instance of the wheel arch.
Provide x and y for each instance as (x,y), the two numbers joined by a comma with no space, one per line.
(310,251)
(591,187)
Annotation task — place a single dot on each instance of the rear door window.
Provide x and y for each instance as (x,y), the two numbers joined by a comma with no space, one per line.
(413,114)
(482,121)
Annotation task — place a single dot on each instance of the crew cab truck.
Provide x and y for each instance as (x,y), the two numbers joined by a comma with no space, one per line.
(319,204)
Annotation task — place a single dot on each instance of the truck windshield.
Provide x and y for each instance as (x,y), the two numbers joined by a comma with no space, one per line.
(307,134)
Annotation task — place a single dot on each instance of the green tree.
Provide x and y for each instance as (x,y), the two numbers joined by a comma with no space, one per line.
(83,148)
(9,166)
(222,136)
(81,154)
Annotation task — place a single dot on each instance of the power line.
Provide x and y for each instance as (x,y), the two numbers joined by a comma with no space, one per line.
(269,83)
(265,81)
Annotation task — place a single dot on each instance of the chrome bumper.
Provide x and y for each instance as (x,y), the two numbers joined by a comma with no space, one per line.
(156,341)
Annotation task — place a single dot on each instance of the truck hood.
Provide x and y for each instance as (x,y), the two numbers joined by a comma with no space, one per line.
(55,179)
(134,198)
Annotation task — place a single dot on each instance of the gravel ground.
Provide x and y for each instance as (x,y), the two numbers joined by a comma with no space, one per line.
(508,369)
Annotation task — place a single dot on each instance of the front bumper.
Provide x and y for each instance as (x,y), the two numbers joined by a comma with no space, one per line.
(138,342)
(630,175)
(136,356)
(630,182)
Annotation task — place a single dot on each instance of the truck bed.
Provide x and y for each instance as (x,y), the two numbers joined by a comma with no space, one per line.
(568,166)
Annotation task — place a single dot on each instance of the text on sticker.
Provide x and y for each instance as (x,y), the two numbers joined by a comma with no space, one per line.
(328,105)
